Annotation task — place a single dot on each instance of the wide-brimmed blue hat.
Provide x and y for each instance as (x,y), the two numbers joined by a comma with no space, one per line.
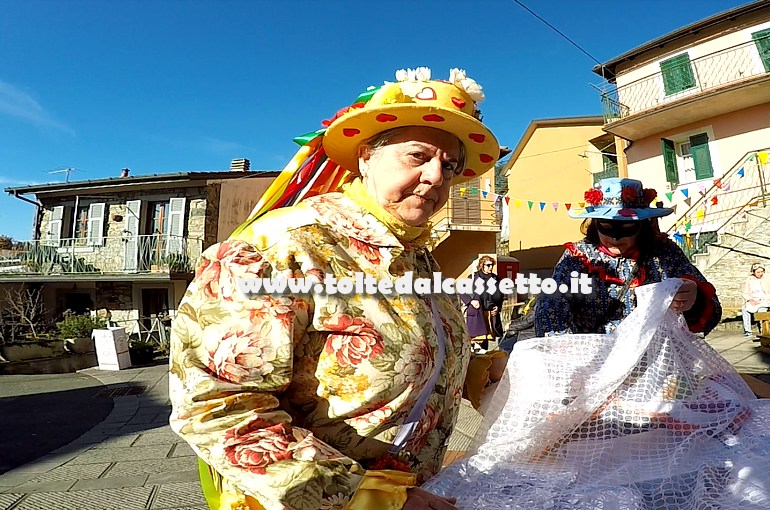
(619,199)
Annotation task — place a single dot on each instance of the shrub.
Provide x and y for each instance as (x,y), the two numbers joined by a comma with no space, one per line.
(79,326)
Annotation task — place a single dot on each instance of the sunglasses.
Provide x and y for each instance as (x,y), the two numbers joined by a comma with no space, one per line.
(618,229)
(488,265)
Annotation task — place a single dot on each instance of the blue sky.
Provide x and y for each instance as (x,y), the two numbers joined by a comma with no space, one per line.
(188,85)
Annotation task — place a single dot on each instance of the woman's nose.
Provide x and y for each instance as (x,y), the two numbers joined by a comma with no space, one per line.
(433,172)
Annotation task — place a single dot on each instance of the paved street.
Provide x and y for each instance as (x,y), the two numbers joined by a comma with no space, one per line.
(127,456)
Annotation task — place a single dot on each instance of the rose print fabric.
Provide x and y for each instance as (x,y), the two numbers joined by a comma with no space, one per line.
(292,398)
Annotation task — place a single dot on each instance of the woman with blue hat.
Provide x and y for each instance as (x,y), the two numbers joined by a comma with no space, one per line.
(623,248)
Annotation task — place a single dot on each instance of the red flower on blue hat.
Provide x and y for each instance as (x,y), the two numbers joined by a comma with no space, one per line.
(594,196)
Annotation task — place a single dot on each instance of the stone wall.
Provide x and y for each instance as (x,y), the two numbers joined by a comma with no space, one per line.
(116,210)
(117,298)
(744,243)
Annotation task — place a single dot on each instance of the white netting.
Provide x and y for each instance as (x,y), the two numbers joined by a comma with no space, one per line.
(648,418)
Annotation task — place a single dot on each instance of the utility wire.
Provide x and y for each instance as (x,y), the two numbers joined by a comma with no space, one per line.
(576,45)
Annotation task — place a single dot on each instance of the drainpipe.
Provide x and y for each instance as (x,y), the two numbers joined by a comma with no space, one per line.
(38,208)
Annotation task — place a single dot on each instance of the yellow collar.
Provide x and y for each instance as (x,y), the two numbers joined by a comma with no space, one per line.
(415,236)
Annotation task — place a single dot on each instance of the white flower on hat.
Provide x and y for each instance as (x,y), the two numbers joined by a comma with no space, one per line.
(419,74)
(461,81)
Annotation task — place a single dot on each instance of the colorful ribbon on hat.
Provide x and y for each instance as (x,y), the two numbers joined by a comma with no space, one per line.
(310,172)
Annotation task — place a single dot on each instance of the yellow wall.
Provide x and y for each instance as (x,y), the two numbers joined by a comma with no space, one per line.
(457,255)
(549,169)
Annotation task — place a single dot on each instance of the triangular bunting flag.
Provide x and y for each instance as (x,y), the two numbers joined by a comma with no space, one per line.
(718,183)
(714,200)
(685,192)
(727,186)
(474,191)
(670,195)
(530,203)
(507,200)
(568,206)
(741,172)
(542,206)
(462,192)
(762,155)
(700,214)
(517,202)
(555,206)
(673,207)
(581,204)
(688,201)
(484,194)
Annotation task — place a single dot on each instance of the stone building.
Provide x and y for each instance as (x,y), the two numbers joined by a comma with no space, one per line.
(127,245)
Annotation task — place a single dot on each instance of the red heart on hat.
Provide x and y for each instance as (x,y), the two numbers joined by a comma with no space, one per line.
(459,102)
(386,117)
(477,137)
(433,118)
(468,172)
(426,94)
(486,158)
(350,132)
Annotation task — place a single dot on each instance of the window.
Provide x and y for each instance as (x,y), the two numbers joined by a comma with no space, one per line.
(80,226)
(762,40)
(677,74)
(157,219)
(690,155)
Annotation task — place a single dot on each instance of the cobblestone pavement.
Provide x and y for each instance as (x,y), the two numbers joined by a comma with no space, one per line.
(132,459)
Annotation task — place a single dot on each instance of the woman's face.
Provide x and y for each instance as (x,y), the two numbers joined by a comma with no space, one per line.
(411,176)
(759,272)
(619,237)
(487,266)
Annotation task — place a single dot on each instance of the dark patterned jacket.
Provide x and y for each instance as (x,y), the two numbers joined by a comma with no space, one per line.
(601,311)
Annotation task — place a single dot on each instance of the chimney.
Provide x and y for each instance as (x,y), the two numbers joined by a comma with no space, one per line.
(239,165)
(124,172)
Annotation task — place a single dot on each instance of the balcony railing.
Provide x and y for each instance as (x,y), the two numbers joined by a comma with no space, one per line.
(710,72)
(109,256)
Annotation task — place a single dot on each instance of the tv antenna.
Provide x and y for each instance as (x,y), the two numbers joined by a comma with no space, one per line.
(65,170)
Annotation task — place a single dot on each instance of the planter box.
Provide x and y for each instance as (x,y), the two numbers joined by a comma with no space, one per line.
(32,350)
(79,345)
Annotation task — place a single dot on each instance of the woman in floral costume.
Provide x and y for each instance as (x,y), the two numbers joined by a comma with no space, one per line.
(622,249)
(318,400)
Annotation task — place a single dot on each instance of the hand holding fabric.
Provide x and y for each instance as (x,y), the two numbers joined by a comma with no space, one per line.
(685,297)
(420,499)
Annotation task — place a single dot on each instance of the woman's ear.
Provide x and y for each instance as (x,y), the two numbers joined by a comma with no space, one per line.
(364,154)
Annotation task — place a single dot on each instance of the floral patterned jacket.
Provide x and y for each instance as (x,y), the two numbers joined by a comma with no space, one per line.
(294,399)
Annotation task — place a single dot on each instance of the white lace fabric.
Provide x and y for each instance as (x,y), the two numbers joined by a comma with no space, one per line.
(647,418)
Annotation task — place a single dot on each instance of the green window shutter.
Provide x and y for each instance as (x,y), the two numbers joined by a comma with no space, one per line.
(677,74)
(669,160)
(701,157)
(762,40)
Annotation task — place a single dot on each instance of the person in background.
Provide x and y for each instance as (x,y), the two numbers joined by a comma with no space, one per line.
(483,310)
(623,248)
(320,400)
(756,296)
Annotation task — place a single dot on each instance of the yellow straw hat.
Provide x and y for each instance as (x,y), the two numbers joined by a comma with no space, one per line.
(416,100)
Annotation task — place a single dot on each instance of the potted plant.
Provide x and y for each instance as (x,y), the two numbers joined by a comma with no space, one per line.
(177,262)
(76,331)
(142,352)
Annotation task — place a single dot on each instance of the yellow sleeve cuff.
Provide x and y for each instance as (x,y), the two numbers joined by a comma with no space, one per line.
(382,489)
